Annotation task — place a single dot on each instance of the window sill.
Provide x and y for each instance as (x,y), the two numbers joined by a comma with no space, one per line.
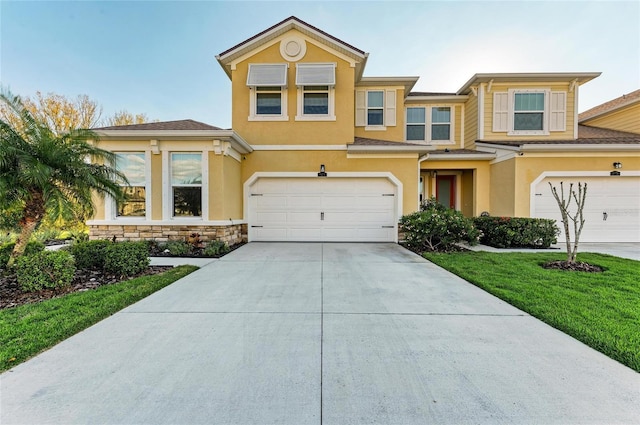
(268,118)
(315,118)
(527,133)
(375,128)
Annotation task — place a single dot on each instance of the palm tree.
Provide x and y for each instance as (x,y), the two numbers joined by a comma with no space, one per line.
(42,173)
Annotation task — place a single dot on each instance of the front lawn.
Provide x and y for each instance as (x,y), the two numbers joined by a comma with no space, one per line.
(32,328)
(600,309)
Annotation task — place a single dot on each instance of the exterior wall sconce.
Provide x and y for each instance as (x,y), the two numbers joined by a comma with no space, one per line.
(322,173)
(617,165)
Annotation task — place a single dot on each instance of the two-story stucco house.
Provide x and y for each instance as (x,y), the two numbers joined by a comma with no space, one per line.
(320,152)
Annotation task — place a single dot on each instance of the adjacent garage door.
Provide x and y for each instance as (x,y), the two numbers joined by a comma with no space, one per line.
(612,207)
(323,209)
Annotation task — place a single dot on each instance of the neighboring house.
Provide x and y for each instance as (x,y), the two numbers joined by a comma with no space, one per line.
(622,114)
(319,152)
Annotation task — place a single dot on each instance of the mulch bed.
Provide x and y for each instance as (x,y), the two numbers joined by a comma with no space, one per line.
(577,266)
(12,296)
(157,250)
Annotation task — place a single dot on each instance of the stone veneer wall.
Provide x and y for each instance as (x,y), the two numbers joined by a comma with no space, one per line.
(231,234)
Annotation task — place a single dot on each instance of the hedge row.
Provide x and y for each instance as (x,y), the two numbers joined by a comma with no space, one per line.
(517,232)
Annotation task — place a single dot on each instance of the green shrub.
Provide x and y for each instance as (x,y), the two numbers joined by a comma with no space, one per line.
(178,248)
(437,228)
(45,269)
(33,247)
(517,232)
(126,258)
(215,248)
(91,254)
(45,234)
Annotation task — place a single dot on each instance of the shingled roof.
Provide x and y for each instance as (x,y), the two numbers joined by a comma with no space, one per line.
(586,136)
(163,126)
(610,106)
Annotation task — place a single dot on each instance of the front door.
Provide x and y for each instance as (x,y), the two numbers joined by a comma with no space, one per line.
(446,190)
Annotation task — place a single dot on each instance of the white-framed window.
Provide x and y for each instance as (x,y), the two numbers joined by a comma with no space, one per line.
(416,124)
(186,179)
(316,93)
(432,124)
(525,112)
(135,167)
(375,109)
(440,123)
(268,94)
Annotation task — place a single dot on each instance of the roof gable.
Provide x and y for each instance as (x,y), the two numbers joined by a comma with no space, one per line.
(229,56)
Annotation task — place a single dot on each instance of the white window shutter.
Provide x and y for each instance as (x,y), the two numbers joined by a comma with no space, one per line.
(316,74)
(558,115)
(267,75)
(361,108)
(390,109)
(500,111)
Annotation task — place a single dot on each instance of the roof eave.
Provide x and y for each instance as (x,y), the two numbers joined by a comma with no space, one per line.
(449,99)
(584,147)
(231,136)
(388,149)
(582,78)
(606,112)
(434,156)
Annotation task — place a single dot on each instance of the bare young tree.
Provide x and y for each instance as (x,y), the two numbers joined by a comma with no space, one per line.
(577,218)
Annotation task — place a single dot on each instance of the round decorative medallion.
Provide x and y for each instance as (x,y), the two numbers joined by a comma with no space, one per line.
(293,48)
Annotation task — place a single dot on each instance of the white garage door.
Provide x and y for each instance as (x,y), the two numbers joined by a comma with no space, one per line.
(322,209)
(612,207)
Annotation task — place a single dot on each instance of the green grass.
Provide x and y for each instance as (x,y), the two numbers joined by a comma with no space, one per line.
(600,309)
(30,329)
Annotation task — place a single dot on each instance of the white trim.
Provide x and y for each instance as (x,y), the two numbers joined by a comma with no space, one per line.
(462,127)
(465,157)
(545,113)
(575,113)
(302,45)
(454,98)
(167,195)
(381,155)
(253,104)
(300,148)
(331,99)
(375,128)
(337,174)
(481,113)
(580,147)
(545,174)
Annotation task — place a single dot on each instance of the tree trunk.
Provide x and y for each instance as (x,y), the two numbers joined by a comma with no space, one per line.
(32,216)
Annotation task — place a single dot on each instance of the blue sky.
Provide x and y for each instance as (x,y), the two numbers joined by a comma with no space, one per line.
(158,57)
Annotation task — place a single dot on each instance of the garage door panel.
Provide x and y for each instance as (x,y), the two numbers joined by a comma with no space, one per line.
(617,196)
(291,209)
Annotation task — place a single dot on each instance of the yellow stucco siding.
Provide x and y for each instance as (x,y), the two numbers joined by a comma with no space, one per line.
(232,200)
(502,196)
(405,169)
(156,187)
(627,119)
(292,131)
(489,134)
(471,122)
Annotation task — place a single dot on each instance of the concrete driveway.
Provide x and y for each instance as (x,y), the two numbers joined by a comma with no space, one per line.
(320,334)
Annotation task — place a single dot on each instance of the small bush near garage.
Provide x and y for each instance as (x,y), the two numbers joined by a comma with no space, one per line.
(91,254)
(437,228)
(45,269)
(6,250)
(517,232)
(215,248)
(126,258)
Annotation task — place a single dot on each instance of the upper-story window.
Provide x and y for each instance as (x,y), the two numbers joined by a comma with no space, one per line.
(133,166)
(315,83)
(429,124)
(528,112)
(267,85)
(375,107)
(441,123)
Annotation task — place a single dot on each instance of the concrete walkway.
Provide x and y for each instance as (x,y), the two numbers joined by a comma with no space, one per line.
(320,334)
(630,250)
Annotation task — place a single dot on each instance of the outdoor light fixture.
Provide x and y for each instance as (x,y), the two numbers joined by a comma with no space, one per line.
(322,173)
(617,165)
